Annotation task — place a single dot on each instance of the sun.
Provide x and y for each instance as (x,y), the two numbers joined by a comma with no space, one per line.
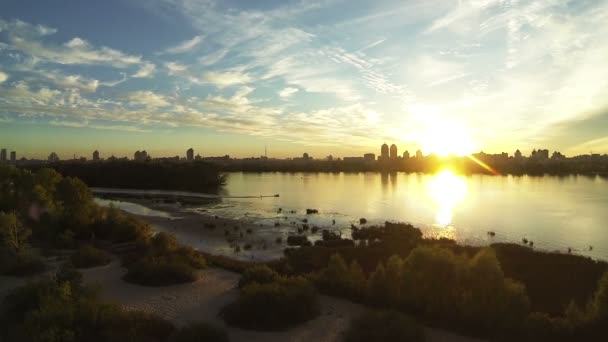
(444,139)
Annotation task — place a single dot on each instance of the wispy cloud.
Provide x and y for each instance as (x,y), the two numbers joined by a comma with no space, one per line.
(185,46)
(288,92)
(224,79)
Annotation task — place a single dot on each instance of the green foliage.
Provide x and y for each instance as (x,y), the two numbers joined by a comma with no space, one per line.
(88,256)
(55,311)
(471,291)
(260,274)
(273,306)
(25,264)
(163,261)
(196,176)
(200,332)
(380,326)
(13,234)
(116,226)
(340,280)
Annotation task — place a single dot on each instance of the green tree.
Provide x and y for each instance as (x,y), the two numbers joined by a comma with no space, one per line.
(377,286)
(14,235)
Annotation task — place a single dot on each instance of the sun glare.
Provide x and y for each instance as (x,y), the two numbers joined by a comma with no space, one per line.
(446,138)
(448,190)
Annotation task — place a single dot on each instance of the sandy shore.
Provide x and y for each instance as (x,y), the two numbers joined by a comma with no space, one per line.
(220,235)
(203,299)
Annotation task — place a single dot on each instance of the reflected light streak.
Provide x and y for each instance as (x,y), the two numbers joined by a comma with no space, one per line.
(447,189)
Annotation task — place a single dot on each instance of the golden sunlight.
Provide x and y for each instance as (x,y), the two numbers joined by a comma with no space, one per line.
(448,190)
(446,138)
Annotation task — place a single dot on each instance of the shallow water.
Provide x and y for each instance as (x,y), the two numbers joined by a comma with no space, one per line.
(554,212)
(133,208)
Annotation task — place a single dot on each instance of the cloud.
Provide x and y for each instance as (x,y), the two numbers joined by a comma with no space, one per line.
(226,78)
(86,124)
(147,98)
(213,57)
(3,77)
(26,37)
(176,68)
(288,92)
(145,71)
(71,81)
(185,46)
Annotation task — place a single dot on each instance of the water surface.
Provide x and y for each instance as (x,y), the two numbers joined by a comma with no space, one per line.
(556,213)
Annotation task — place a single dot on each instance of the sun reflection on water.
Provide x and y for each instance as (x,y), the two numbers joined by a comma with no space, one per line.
(447,190)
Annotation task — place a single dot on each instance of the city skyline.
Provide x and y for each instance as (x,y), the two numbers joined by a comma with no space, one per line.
(384,152)
(325,77)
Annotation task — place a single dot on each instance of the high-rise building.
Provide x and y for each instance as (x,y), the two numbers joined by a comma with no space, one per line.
(190,154)
(384,151)
(393,151)
(3,156)
(96,155)
(13,157)
(418,154)
(406,155)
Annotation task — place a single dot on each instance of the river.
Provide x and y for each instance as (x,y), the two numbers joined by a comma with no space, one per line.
(556,213)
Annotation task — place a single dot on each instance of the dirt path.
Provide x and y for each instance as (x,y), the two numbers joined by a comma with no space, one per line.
(202,300)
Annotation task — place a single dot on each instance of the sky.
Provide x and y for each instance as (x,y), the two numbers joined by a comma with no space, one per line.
(327,77)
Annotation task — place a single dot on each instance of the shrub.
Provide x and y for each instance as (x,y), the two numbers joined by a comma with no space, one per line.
(200,331)
(24,264)
(260,274)
(297,240)
(55,311)
(163,261)
(88,256)
(160,271)
(273,306)
(384,326)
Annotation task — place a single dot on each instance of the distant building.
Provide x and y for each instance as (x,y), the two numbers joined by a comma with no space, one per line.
(393,151)
(53,157)
(369,157)
(190,154)
(305,156)
(518,154)
(353,159)
(406,155)
(418,154)
(13,157)
(540,154)
(198,157)
(383,152)
(96,155)
(557,156)
(3,156)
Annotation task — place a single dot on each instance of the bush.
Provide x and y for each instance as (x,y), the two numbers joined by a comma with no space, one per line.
(24,264)
(298,240)
(384,326)
(160,271)
(200,331)
(163,261)
(88,256)
(260,274)
(273,306)
(55,311)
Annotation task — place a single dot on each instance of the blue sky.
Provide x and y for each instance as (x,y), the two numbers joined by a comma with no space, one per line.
(326,77)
